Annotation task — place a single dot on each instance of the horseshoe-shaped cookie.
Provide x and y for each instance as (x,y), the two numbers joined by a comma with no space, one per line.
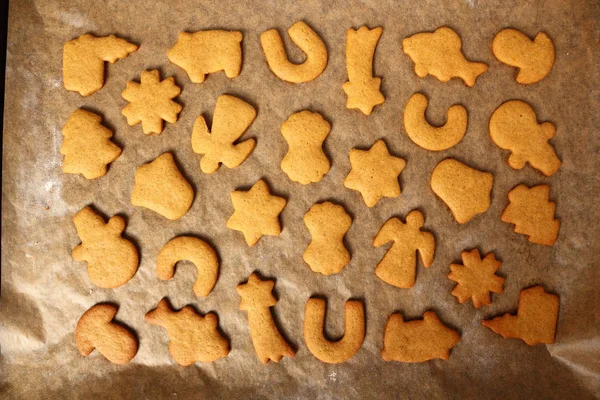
(195,250)
(429,137)
(308,41)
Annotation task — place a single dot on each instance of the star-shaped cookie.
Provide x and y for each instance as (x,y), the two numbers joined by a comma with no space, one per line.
(256,212)
(374,173)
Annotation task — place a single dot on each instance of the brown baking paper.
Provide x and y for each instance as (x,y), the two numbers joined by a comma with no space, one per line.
(44,291)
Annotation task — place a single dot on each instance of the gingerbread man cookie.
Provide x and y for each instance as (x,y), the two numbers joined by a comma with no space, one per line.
(476,278)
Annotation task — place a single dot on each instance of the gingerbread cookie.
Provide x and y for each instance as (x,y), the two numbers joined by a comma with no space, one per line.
(535,321)
(533,58)
(327,224)
(160,187)
(305,162)
(231,118)
(417,341)
(398,266)
(477,278)
(256,212)
(429,137)
(308,41)
(95,330)
(514,127)
(150,102)
(112,260)
(465,190)
(374,173)
(198,252)
(440,54)
(207,52)
(84,57)
(87,146)
(532,213)
(256,300)
(192,337)
(362,87)
(333,352)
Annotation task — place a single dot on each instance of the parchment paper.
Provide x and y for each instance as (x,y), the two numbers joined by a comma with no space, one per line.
(44,291)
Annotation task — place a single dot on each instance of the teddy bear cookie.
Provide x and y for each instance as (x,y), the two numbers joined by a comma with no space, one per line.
(95,330)
(87,146)
(112,260)
(84,58)
(362,87)
(231,118)
(308,41)
(440,54)
(206,52)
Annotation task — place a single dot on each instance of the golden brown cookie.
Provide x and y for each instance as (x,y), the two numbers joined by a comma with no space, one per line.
(87,146)
(150,102)
(256,212)
(257,299)
(440,54)
(231,118)
(533,58)
(192,337)
(206,52)
(476,278)
(305,162)
(160,187)
(198,252)
(429,137)
(112,260)
(398,266)
(417,341)
(84,57)
(514,127)
(532,213)
(308,41)
(327,224)
(374,173)
(465,190)
(95,330)
(535,321)
(333,352)
(362,87)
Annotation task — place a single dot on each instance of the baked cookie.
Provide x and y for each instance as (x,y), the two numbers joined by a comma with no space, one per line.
(206,52)
(308,41)
(535,321)
(112,260)
(398,266)
(477,278)
(84,57)
(327,224)
(160,187)
(417,341)
(465,190)
(150,102)
(231,118)
(257,299)
(533,58)
(374,173)
(333,352)
(95,330)
(87,146)
(429,137)
(514,127)
(256,212)
(305,162)
(198,252)
(440,54)
(362,87)
(192,337)
(532,213)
